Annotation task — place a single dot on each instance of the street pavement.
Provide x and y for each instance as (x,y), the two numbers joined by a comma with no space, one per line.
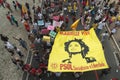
(9,71)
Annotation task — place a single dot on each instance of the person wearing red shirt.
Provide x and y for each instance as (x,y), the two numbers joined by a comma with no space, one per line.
(66,19)
(84,4)
(114,79)
(61,18)
(26,67)
(8,6)
(43,67)
(38,9)
(74,18)
(2,3)
(33,71)
(27,27)
(9,18)
(39,71)
(119,2)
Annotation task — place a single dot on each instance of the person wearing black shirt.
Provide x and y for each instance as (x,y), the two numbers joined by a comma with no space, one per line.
(4,38)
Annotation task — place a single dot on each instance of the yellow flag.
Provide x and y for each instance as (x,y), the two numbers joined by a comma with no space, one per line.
(113,18)
(87,3)
(64,0)
(24,9)
(76,51)
(75,24)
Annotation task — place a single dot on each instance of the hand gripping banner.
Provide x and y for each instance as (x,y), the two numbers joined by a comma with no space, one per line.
(76,51)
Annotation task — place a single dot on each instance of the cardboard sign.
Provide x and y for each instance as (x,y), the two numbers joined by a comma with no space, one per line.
(56,23)
(46,38)
(50,27)
(45,31)
(52,34)
(56,18)
(40,22)
(47,24)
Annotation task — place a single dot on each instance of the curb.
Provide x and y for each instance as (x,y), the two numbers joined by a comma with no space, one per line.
(113,38)
(116,54)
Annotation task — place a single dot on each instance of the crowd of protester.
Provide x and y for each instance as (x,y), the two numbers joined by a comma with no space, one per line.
(58,15)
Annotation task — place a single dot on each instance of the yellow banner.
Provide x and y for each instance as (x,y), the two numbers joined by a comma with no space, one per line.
(76,51)
(87,3)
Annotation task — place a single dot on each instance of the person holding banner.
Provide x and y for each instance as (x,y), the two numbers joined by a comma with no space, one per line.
(77,75)
(105,72)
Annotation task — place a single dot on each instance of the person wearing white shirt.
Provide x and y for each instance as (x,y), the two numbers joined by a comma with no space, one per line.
(58,74)
(100,11)
(40,15)
(112,10)
(117,23)
(100,27)
(9,47)
(18,51)
(47,23)
(65,10)
(104,35)
(113,31)
(97,18)
(88,19)
(35,25)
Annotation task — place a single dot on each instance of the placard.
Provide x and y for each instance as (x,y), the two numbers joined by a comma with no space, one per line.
(52,34)
(46,38)
(50,27)
(40,22)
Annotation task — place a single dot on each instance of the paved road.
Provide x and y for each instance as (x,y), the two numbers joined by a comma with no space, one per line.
(8,71)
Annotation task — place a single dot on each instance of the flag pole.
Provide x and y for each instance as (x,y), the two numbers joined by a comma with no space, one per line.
(96,75)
